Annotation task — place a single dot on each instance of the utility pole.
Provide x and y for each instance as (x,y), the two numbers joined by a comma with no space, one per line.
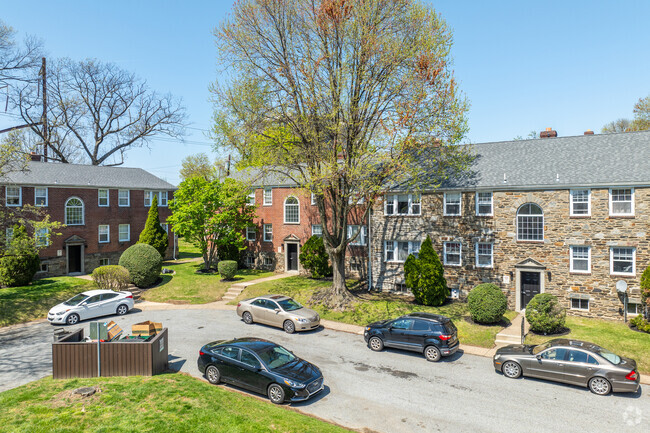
(46,140)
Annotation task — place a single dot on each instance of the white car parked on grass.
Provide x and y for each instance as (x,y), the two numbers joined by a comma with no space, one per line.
(93,303)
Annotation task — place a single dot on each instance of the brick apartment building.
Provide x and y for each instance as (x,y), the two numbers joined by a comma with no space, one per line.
(104,210)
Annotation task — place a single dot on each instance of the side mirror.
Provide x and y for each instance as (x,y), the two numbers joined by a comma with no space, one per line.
(83,304)
(539,357)
(277,310)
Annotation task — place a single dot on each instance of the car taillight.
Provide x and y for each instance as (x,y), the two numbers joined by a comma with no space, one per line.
(129,297)
(444,337)
(239,304)
(631,375)
(201,353)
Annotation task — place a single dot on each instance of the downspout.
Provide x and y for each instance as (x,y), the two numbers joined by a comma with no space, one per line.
(369,250)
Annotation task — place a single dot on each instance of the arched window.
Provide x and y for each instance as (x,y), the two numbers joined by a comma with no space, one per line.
(530,223)
(291,211)
(74,212)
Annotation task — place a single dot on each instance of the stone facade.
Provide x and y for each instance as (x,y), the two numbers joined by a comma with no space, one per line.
(550,258)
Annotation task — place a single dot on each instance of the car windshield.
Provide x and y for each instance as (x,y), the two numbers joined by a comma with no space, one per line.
(541,347)
(76,300)
(611,357)
(276,356)
(289,305)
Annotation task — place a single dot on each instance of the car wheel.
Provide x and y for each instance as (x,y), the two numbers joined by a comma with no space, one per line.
(212,374)
(247,317)
(276,394)
(511,369)
(599,385)
(72,319)
(289,327)
(122,310)
(376,344)
(432,354)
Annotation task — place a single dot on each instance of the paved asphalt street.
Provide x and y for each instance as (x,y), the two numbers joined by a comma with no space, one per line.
(387,392)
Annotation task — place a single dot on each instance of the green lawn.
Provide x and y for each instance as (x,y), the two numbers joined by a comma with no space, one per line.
(22,304)
(189,287)
(165,403)
(371,307)
(186,250)
(615,336)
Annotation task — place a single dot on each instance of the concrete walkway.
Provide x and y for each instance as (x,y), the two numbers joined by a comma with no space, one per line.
(512,333)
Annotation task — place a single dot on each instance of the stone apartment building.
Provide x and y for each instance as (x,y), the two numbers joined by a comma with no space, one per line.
(562,215)
(104,210)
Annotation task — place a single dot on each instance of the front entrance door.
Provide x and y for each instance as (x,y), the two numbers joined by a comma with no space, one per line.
(292,257)
(74,258)
(530,286)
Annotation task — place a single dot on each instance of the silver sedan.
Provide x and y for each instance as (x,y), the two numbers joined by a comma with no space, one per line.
(280,311)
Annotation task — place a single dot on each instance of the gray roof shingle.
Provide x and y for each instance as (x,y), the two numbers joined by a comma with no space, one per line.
(71,175)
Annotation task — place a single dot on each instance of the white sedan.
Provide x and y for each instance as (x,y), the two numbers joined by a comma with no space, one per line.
(93,303)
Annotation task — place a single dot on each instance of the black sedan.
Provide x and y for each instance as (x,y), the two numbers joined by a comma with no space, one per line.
(260,366)
(570,361)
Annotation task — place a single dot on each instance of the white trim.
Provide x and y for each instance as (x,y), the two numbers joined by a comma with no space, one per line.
(83,211)
(128,197)
(410,248)
(251,233)
(361,239)
(588,202)
(476,200)
(313,199)
(250,199)
(46,235)
(128,233)
(571,258)
(581,300)
(491,244)
(148,197)
(99,234)
(268,202)
(313,232)
(460,253)
(99,197)
(20,196)
(639,306)
(265,233)
(46,196)
(284,209)
(460,204)
(413,199)
(611,213)
(532,216)
(611,262)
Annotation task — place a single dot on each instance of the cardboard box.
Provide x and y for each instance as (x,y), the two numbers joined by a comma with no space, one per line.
(114,331)
(158,327)
(146,329)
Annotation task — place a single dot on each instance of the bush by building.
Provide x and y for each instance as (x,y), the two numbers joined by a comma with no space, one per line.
(227,269)
(487,303)
(314,258)
(111,277)
(153,233)
(424,275)
(640,323)
(545,314)
(20,262)
(144,264)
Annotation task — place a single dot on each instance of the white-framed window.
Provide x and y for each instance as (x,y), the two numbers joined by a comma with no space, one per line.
(104,262)
(104,233)
(268,261)
(580,259)
(161,195)
(42,237)
(400,287)
(250,199)
(250,233)
(40,197)
(452,203)
(402,204)
(291,210)
(74,212)
(398,251)
(124,198)
(484,204)
(44,267)
(634,309)
(452,253)
(124,232)
(268,197)
(9,235)
(268,233)
(530,223)
(622,261)
(621,202)
(317,230)
(361,239)
(313,199)
(13,196)
(102,197)
(580,202)
(580,303)
(250,260)
(484,254)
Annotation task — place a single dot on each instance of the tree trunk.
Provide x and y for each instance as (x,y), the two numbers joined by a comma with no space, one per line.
(339,289)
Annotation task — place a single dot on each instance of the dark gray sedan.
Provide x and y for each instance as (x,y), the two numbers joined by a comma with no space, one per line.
(570,361)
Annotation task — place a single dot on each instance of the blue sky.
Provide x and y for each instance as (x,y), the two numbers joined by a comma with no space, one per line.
(571,65)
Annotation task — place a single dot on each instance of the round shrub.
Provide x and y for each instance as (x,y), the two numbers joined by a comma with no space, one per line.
(487,303)
(144,264)
(314,258)
(111,277)
(545,315)
(227,269)
(640,323)
(18,270)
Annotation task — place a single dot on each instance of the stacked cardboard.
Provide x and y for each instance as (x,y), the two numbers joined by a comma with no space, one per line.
(146,329)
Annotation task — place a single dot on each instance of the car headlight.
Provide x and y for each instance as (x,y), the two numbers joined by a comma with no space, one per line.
(367,328)
(497,357)
(301,320)
(293,384)
(61,313)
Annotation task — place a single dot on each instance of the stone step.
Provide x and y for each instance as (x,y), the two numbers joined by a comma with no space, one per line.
(508,339)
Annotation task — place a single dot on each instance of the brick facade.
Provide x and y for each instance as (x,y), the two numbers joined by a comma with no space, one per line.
(549,258)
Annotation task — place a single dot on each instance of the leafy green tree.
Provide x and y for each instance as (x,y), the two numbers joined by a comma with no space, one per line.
(641,121)
(645,291)
(198,165)
(314,258)
(340,97)
(153,233)
(425,276)
(20,261)
(213,215)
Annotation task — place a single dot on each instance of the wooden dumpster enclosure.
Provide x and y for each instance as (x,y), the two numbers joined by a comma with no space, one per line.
(73,358)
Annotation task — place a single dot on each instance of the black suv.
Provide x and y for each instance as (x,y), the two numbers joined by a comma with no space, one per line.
(431,334)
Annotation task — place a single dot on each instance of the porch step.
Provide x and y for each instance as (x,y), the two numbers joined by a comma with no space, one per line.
(234,291)
(512,334)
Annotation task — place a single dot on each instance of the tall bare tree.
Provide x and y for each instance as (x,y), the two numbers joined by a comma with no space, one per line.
(17,58)
(342,97)
(97,111)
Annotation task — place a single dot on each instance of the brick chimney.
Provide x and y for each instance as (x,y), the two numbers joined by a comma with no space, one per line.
(36,157)
(548,133)
(589,132)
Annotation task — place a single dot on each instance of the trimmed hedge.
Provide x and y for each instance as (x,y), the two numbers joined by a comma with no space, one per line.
(640,323)
(18,270)
(545,314)
(111,277)
(144,264)
(227,269)
(487,303)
